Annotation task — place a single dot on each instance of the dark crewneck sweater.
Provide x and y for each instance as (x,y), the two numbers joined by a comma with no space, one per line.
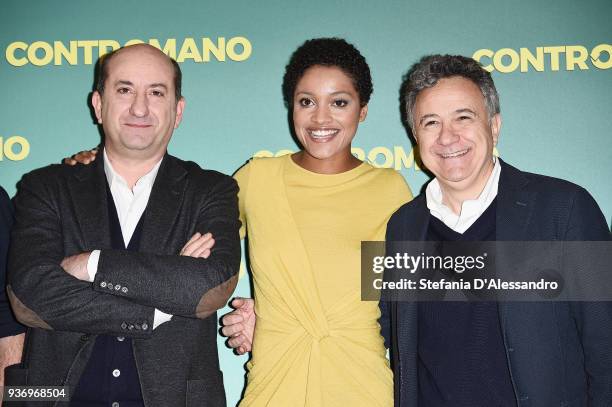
(462,359)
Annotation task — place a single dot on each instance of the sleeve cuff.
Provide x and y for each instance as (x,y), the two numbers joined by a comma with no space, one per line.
(92,264)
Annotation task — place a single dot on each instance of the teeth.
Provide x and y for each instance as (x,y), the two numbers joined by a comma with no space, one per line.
(323,133)
(455,154)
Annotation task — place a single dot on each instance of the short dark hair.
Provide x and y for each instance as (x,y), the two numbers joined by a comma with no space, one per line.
(431,68)
(330,52)
(104,61)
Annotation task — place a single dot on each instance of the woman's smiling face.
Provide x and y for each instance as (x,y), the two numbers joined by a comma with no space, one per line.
(326,114)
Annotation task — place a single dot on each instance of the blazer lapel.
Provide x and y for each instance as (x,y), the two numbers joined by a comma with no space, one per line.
(514,211)
(88,196)
(415,228)
(164,205)
(514,205)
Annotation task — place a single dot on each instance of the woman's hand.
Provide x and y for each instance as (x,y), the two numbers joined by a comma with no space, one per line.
(239,325)
(83,157)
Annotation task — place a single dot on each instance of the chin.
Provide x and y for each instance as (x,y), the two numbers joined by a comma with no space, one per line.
(321,153)
(321,157)
(452,174)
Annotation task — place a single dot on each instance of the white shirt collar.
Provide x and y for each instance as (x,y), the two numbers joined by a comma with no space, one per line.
(146,180)
(470,209)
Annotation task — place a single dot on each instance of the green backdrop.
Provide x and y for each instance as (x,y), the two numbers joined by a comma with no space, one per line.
(551,60)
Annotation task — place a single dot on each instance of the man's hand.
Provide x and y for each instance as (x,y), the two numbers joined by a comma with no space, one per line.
(83,157)
(76,265)
(199,245)
(239,325)
(11,348)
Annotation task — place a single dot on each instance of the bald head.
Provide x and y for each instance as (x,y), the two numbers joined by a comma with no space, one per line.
(105,64)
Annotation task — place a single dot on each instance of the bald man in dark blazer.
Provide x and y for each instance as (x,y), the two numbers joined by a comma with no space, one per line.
(121,307)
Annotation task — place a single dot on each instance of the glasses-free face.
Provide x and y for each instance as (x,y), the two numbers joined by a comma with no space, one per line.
(138,109)
(326,114)
(455,134)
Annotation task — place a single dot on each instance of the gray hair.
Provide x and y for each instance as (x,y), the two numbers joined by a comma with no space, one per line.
(431,68)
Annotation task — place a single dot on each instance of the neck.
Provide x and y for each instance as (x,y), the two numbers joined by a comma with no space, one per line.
(132,168)
(331,165)
(453,196)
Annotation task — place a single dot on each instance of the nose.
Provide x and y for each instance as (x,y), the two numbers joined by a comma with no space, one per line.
(447,135)
(140,105)
(321,115)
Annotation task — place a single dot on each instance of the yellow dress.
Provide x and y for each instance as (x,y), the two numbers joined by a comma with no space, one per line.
(316,344)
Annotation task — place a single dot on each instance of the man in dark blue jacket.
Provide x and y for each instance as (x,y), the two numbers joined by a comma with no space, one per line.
(11,332)
(537,354)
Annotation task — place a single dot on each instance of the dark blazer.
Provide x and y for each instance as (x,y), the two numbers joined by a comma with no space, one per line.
(559,353)
(62,211)
(8,325)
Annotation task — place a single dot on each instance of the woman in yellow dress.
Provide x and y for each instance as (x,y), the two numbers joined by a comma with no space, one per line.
(315,342)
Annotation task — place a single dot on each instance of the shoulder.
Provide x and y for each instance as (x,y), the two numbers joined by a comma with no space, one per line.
(390,186)
(551,186)
(266,163)
(6,210)
(573,207)
(547,189)
(565,204)
(199,177)
(51,176)
(388,175)
(386,178)
(55,171)
(259,165)
(4,198)
(410,210)
(512,178)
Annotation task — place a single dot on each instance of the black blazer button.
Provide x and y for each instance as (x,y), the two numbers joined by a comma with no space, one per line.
(85,337)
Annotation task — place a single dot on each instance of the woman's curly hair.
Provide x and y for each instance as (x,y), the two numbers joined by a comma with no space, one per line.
(330,52)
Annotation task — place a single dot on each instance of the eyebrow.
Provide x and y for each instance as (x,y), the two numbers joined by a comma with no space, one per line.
(158,85)
(153,85)
(430,115)
(427,116)
(340,92)
(466,110)
(120,82)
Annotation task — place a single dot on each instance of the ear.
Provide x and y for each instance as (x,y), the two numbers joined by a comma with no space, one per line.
(496,122)
(96,102)
(414,134)
(180,106)
(363,113)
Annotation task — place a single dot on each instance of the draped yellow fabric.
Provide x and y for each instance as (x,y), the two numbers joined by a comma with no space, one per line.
(316,343)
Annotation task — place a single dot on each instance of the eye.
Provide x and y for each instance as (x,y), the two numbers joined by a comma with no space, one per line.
(123,90)
(306,102)
(430,123)
(340,103)
(158,93)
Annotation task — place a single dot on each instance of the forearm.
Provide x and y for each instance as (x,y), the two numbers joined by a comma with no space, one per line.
(42,294)
(192,287)
(77,308)
(177,285)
